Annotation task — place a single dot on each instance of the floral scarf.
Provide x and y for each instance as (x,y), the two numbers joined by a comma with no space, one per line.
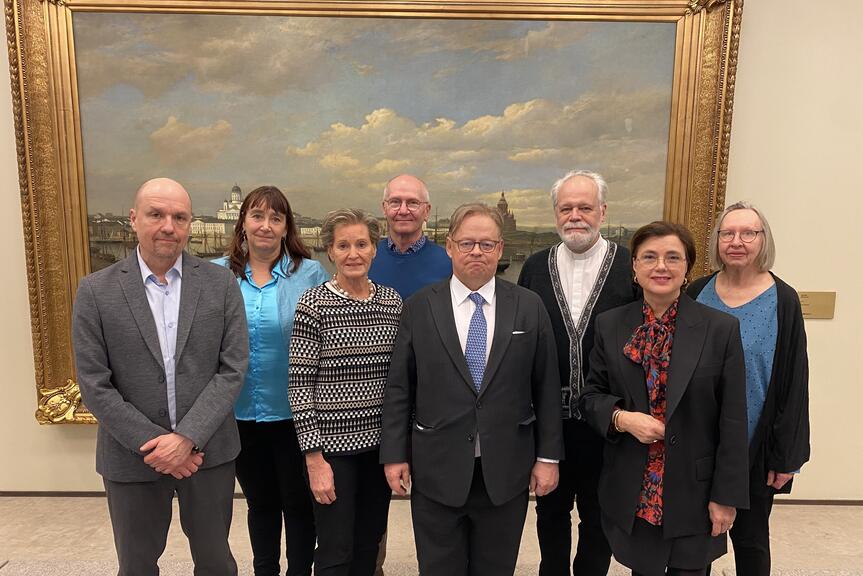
(650,346)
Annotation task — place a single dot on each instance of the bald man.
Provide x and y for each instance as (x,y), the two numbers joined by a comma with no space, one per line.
(406,259)
(161,350)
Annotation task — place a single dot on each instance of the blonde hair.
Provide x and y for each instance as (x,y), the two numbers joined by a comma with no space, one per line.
(348,216)
(766,255)
(474,209)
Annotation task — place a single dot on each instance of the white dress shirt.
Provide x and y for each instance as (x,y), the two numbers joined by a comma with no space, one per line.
(578,273)
(463,308)
(164,300)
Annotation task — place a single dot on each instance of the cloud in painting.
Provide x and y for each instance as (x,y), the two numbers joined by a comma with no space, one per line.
(485,154)
(178,143)
(272,55)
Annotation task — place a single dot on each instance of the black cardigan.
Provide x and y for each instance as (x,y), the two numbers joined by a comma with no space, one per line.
(781,440)
(617,291)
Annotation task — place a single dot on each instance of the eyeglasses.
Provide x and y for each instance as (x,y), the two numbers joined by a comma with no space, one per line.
(745,235)
(412,205)
(651,260)
(465,246)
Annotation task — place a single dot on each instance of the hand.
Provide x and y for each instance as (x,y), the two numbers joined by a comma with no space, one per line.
(543,478)
(644,427)
(778,479)
(189,467)
(722,517)
(398,477)
(321,479)
(167,452)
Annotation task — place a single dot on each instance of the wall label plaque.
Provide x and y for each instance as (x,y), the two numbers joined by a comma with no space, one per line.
(818,305)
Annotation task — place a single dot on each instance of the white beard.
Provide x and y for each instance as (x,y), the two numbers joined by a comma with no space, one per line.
(578,242)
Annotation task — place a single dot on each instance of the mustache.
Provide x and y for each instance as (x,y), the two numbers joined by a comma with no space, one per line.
(582,226)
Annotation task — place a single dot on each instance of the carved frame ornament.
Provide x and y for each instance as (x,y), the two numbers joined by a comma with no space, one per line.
(49,146)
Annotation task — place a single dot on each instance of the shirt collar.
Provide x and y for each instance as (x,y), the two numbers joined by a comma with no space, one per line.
(278,269)
(598,248)
(146,273)
(415,247)
(461,292)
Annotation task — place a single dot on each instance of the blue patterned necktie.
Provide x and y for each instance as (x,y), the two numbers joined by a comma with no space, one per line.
(474,351)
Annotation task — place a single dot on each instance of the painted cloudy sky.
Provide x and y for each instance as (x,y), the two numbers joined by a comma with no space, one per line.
(329,109)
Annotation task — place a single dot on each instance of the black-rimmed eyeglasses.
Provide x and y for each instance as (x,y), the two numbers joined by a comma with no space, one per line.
(465,246)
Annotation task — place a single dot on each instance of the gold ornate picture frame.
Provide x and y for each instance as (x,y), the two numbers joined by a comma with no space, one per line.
(50,147)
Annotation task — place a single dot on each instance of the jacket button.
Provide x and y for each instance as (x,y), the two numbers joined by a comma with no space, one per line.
(478,404)
(161,378)
(470,437)
(673,440)
(163,412)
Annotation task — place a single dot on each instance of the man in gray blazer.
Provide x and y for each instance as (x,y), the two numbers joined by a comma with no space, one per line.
(161,350)
(472,407)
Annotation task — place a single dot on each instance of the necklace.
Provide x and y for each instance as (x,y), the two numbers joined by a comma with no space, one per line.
(348,295)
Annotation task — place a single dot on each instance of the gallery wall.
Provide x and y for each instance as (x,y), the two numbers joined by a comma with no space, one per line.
(795,149)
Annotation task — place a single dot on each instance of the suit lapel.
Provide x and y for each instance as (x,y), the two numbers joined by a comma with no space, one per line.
(633,374)
(188,302)
(504,322)
(136,298)
(442,315)
(685,352)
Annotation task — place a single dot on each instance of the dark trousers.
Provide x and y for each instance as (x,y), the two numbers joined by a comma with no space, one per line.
(350,529)
(477,539)
(750,535)
(141,515)
(579,481)
(270,471)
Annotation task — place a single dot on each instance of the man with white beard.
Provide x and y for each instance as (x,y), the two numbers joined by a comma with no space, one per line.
(577,279)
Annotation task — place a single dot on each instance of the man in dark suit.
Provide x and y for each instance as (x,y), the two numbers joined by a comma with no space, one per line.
(577,279)
(472,407)
(161,350)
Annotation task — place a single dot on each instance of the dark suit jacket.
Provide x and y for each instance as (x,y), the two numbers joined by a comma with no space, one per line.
(432,410)
(705,427)
(122,376)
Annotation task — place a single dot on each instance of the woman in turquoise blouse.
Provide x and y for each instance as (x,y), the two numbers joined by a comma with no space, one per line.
(273,268)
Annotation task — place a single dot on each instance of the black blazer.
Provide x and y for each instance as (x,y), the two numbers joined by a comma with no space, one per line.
(432,410)
(705,425)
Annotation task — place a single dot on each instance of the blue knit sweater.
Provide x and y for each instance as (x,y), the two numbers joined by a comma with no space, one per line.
(407,273)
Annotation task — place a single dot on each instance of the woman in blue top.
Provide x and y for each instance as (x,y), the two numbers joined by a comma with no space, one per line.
(777,370)
(273,268)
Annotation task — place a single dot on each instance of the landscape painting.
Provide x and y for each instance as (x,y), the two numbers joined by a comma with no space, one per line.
(328,109)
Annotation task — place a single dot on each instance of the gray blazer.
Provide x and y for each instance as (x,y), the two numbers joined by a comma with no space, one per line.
(122,376)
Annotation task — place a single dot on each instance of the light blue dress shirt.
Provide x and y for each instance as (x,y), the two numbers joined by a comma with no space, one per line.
(164,300)
(270,316)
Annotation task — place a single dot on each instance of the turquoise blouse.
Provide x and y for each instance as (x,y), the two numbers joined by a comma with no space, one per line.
(270,317)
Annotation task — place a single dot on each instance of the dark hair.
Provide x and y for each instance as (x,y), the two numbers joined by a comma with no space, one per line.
(662,228)
(267,197)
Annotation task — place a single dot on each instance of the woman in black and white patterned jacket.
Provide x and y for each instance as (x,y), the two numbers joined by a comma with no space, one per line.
(342,341)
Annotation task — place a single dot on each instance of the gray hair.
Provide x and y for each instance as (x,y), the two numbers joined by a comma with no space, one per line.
(474,209)
(347,217)
(766,255)
(601,184)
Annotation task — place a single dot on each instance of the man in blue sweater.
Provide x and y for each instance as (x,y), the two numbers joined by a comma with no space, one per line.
(407,259)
